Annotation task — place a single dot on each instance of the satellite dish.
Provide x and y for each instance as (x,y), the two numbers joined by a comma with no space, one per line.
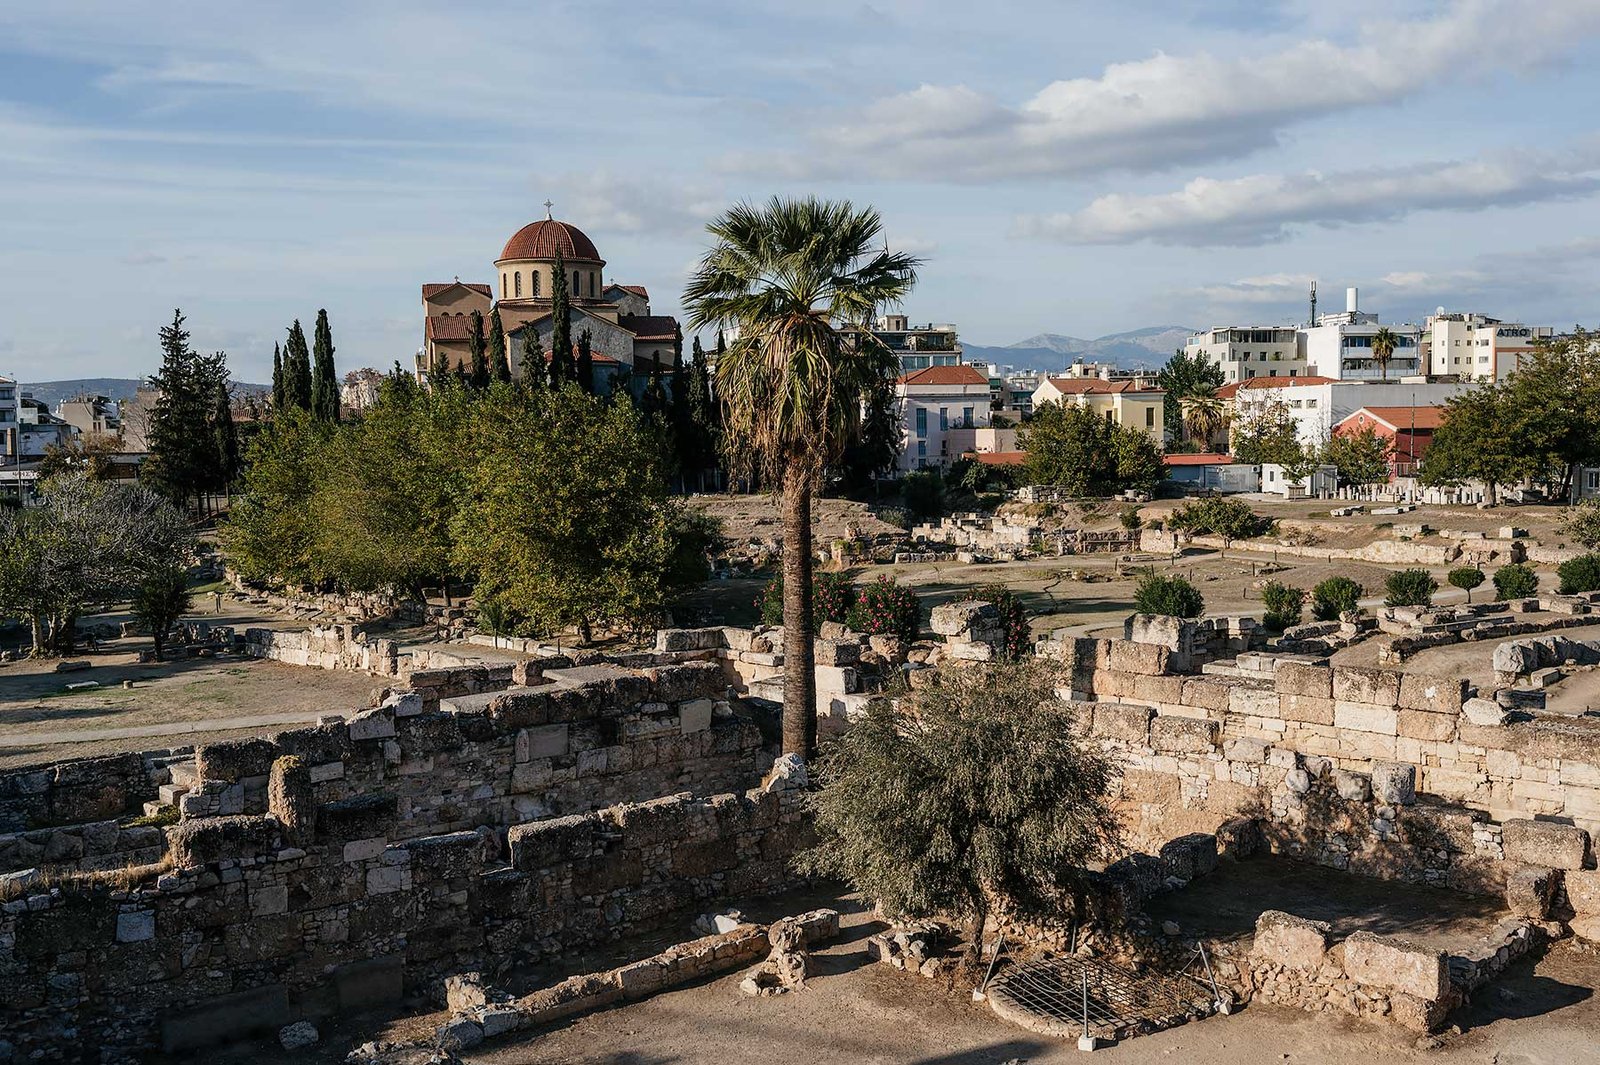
(1439,311)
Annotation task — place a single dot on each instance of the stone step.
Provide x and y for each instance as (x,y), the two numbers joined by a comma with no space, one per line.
(185,773)
(171,793)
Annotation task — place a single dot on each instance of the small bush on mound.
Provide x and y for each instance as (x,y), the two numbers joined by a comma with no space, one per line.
(1014,619)
(1466,578)
(1410,587)
(1231,519)
(884,608)
(1284,604)
(1333,597)
(1173,597)
(832,596)
(1130,518)
(1581,574)
(922,492)
(1515,581)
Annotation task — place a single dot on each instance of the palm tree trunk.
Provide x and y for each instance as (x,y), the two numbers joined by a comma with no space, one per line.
(799,675)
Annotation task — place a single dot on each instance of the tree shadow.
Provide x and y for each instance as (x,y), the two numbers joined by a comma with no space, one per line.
(1518,994)
(994,1054)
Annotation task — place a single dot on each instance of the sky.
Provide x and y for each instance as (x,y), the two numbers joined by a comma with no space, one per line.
(1078,168)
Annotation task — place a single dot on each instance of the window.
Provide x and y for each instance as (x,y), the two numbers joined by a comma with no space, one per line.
(966,415)
(533,281)
(944,419)
(1149,417)
(577,285)
(518,283)
(922,423)
(922,449)
(502,286)
(1592,479)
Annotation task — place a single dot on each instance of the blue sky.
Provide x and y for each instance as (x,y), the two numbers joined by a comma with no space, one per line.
(1076,168)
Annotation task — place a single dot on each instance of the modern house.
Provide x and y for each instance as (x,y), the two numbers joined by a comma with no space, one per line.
(1408,431)
(934,402)
(1316,404)
(1339,345)
(1246,352)
(1136,404)
(1475,346)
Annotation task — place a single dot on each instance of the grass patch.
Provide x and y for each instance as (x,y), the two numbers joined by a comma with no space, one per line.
(167,815)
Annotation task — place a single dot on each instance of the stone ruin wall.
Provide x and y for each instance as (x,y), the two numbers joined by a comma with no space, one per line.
(1333,759)
(340,865)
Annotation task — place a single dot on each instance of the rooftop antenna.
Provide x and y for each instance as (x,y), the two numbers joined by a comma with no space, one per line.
(547,206)
(1313,320)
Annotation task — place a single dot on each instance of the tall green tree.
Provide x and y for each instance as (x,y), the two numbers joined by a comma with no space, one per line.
(225,436)
(272,533)
(1361,456)
(1086,454)
(499,364)
(1204,413)
(680,417)
(705,417)
(478,345)
(1266,432)
(533,366)
(1552,400)
(1184,376)
(560,325)
(277,378)
(183,454)
(584,368)
(1480,438)
(324,379)
(1384,341)
(788,274)
(297,369)
(876,448)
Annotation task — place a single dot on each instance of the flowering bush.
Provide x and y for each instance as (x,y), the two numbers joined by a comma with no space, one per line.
(832,596)
(1014,619)
(883,608)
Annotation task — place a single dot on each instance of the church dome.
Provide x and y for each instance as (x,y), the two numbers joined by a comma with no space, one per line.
(544,238)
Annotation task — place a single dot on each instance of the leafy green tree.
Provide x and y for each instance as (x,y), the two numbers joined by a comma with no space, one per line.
(1284,604)
(272,532)
(1515,581)
(297,369)
(1182,377)
(922,491)
(183,445)
(1384,341)
(1087,455)
(1265,433)
(533,366)
(1579,575)
(1409,587)
(225,436)
(478,346)
(565,536)
(499,364)
(1582,524)
(1231,519)
(788,274)
(1361,456)
(1554,402)
(705,418)
(562,366)
(972,791)
(1481,438)
(680,417)
(324,379)
(92,455)
(876,449)
(1171,596)
(1334,596)
(159,600)
(1466,578)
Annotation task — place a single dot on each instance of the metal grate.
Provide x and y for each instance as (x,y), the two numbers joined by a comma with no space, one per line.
(1062,996)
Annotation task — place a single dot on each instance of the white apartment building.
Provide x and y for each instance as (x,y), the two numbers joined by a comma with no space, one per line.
(918,346)
(1340,346)
(1245,352)
(933,401)
(1317,404)
(1475,346)
(8,417)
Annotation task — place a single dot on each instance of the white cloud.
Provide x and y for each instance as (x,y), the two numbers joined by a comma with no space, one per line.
(1267,207)
(1266,289)
(1157,112)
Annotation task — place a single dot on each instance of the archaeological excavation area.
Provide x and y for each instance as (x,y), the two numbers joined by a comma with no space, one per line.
(515,849)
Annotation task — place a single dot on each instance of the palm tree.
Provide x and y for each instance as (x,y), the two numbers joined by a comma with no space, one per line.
(787,277)
(1204,412)
(1384,341)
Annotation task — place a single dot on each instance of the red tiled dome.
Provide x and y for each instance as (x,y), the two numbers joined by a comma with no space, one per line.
(542,239)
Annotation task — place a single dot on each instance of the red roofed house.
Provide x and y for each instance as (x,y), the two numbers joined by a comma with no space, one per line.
(1135,404)
(1408,430)
(932,403)
(625,338)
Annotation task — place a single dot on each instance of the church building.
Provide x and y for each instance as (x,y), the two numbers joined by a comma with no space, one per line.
(626,340)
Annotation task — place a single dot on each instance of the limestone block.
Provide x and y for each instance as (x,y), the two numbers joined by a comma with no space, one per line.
(374,724)
(1290,941)
(1583,891)
(1378,718)
(1395,965)
(837,652)
(1306,709)
(1441,695)
(403,703)
(1158,690)
(1394,783)
(1354,684)
(545,741)
(1425,725)
(364,850)
(1183,735)
(464,992)
(1207,693)
(1122,721)
(136,927)
(1127,657)
(695,715)
(1300,678)
(1516,657)
(1586,928)
(969,651)
(836,679)
(266,901)
(498,1020)
(1352,786)
(1190,856)
(1529,891)
(1545,843)
(1245,749)
(1253,702)
(459,1033)
(961,619)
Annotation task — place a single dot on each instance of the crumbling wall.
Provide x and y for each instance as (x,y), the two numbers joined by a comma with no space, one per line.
(73,792)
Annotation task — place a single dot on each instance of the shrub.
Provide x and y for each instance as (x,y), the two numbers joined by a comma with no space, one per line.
(832,596)
(1013,618)
(1581,574)
(1171,596)
(1410,587)
(884,608)
(1466,578)
(1130,518)
(1515,581)
(922,491)
(1231,519)
(1583,524)
(1333,597)
(1284,604)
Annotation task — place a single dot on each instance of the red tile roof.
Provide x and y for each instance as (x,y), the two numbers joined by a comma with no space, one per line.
(944,375)
(637,290)
(429,291)
(1402,418)
(1077,386)
(450,327)
(542,239)
(1208,459)
(649,326)
(998,458)
(1229,391)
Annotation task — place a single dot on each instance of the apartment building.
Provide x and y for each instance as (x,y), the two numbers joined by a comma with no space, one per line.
(1317,404)
(918,347)
(934,401)
(1246,352)
(1475,346)
(1340,345)
(1137,404)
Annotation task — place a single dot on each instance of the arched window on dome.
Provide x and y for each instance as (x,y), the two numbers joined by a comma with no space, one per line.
(518,283)
(591,286)
(502,286)
(533,281)
(577,285)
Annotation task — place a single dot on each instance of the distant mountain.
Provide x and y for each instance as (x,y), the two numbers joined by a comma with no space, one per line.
(1148,347)
(115,388)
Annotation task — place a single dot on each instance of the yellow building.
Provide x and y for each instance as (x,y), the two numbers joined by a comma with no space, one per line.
(1134,404)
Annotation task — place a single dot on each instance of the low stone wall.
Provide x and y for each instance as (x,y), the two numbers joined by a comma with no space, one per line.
(98,845)
(347,606)
(74,792)
(1192,643)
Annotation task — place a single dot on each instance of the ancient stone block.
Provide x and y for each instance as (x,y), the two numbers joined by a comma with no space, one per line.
(1394,783)
(1183,735)
(837,652)
(1206,693)
(963,619)
(1290,941)
(1245,749)
(1529,891)
(1354,787)
(1190,856)
(1383,720)
(1300,678)
(1583,891)
(1163,690)
(1306,709)
(1127,657)
(1545,843)
(539,844)
(695,715)
(235,759)
(137,926)
(1441,695)
(1395,965)
(1483,712)
(1253,701)
(200,842)
(1425,725)
(1354,684)
(691,680)
(1240,837)
(1123,721)
(521,709)
(544,741)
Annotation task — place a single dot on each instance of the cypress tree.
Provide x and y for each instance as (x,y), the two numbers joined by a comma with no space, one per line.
(226,436)
(277,378)
(585,365)
(324,381)
(479,348)
(533,368)
(297,369)
(183,452)
(499,364)
(560,324)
